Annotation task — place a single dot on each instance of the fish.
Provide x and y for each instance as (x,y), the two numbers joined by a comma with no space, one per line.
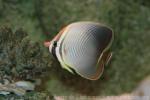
(83,48)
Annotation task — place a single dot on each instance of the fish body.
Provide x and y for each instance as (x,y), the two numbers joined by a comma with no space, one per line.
(81,46)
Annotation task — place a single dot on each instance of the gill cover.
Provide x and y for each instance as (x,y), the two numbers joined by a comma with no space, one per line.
(81,46)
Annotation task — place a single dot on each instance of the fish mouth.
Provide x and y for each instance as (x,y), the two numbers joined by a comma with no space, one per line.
(47,43)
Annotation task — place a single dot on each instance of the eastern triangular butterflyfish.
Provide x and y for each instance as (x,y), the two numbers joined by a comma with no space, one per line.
(83,47)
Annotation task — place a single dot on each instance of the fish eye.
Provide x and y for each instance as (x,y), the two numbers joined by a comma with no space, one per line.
(53,49)
(55,44)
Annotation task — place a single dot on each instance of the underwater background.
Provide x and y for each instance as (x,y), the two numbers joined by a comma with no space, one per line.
(42,19)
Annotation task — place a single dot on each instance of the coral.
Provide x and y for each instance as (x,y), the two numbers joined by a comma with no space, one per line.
(30,96)
(20,57)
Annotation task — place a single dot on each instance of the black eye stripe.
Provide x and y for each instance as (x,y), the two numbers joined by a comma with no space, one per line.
(55,43)
(54,49)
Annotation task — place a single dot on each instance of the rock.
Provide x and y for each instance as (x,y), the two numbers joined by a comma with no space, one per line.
(142,92)
(25,85)
(4,92)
